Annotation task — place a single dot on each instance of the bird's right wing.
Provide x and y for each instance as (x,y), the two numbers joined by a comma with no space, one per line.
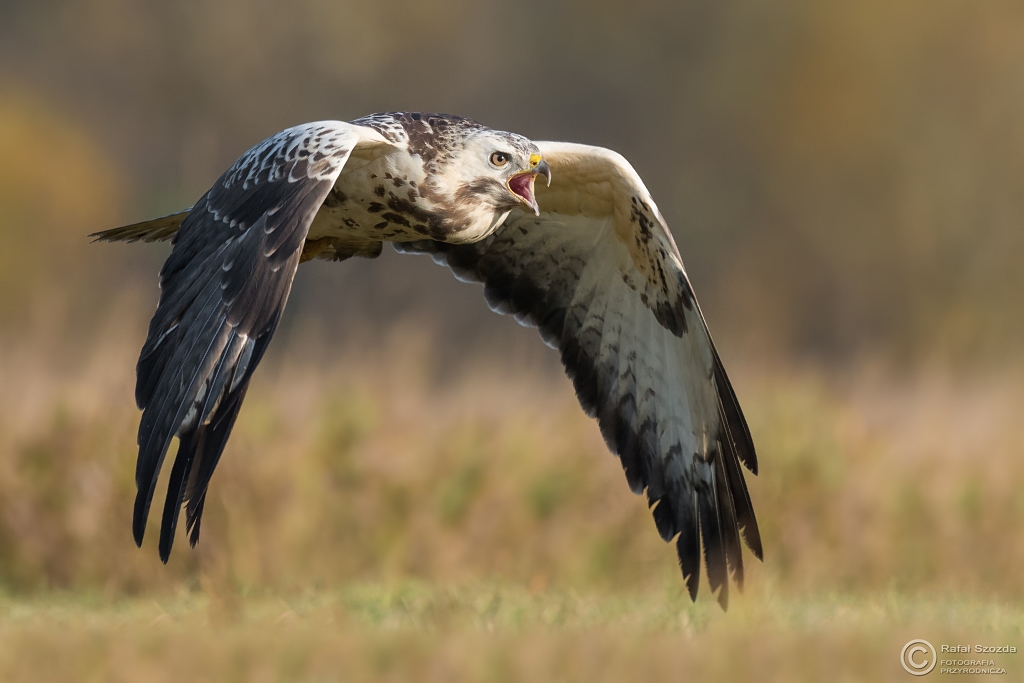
(223,288)
(599,273)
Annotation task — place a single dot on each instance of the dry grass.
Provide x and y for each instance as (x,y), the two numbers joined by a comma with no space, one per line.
(373,469)
(372,522)
(482,632)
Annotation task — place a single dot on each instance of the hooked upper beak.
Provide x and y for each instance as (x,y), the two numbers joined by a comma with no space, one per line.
(543,169)
(521,184)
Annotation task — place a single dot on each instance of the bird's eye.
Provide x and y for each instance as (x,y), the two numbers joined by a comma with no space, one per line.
(499,159)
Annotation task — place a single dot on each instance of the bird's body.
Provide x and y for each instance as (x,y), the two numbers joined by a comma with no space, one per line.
(588,260)
(388,194)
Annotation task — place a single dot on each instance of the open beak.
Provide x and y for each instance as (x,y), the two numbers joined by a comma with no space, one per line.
(521,184)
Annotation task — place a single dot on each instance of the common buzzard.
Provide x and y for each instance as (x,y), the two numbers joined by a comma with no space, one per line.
(585,257)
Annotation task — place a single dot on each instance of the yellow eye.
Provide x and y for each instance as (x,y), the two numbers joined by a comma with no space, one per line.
(499,159)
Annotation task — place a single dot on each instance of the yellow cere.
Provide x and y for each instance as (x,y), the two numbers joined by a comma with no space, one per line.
(534,160)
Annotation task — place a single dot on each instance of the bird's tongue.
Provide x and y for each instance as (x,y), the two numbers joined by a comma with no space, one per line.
(522,185)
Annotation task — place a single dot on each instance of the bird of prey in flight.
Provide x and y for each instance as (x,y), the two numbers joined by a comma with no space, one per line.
(585,256)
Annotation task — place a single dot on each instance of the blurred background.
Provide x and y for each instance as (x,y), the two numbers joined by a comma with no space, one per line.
(411,490)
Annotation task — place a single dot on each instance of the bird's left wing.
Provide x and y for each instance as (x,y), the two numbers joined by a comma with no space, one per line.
(223,289)
(600,275)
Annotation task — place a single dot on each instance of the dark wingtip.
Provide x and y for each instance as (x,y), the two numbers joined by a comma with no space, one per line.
(737,430)
(692,584)
(139,518)
(194,518)
(723,597)
(165,548)
(167,533)
(688,549)
(187,446)
(754,543)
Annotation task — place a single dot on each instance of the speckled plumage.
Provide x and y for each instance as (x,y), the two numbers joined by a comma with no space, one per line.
(588,260)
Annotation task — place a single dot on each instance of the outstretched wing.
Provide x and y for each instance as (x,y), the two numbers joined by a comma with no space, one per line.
(599,273)
(222,292)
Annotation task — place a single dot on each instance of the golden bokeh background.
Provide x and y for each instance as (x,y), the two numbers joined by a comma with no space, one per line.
(411,492)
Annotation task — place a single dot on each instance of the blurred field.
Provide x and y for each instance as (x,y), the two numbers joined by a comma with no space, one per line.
(382,520)
(378,466)
(412,492)
(484,632)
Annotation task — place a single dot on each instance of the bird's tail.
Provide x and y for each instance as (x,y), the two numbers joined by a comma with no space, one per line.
(155,230)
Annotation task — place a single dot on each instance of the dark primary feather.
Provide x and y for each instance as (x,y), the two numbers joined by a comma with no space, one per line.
(222,292)
(532,269)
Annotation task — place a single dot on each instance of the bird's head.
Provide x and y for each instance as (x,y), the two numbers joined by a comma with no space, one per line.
(501,169)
